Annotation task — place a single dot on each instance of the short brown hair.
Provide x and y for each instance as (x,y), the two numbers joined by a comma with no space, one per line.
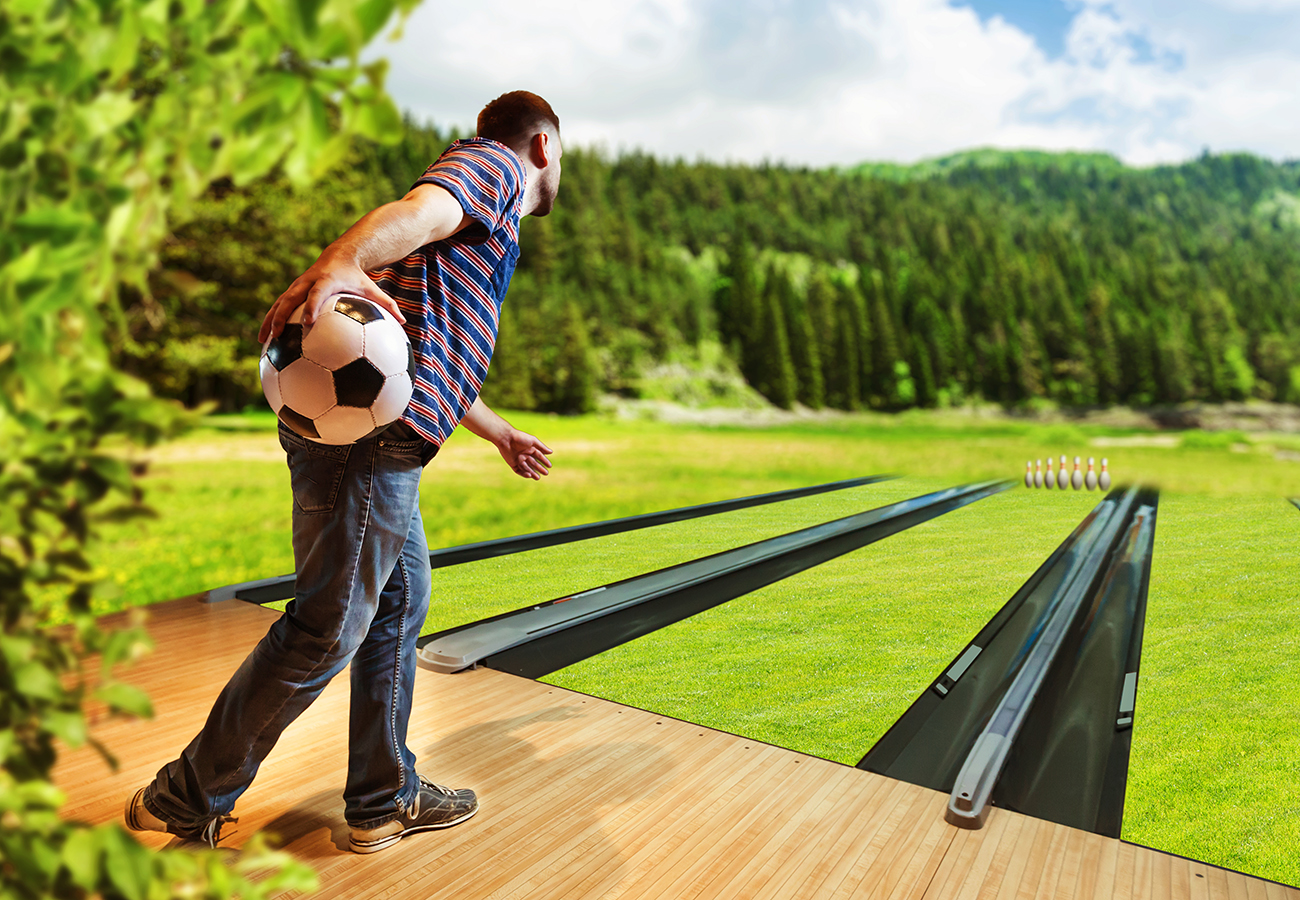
(515,117)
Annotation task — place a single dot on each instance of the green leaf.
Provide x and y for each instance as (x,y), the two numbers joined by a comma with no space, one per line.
(35,680)
(81,854)
(381,120)
(312,134)
(40,795)
(69,727)
(126,698)
(16,649)
(45,859)
(52,223)
(283,17)
(127,864)
(106,112)
(309,15)
(126,42)
(372,16)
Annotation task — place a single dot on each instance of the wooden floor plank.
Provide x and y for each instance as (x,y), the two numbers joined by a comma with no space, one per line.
(1107,870)
(769,856)
(1162,877)
(1125,870)
(645,818)
(1018,860)
(1097,872)
(1053,863)
(1143,875)
(862,840)
(583,798)
(1067,884)
(973,865)
(868,869)
(1003,859)
(834,838)
(912,859)
(786,854)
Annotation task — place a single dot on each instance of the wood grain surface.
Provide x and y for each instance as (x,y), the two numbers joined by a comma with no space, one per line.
(585,798)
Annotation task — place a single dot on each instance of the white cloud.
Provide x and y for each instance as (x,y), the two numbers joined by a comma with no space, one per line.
(839,81)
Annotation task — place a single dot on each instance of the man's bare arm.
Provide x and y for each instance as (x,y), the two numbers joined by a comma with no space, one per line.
(391,232)
(525,454)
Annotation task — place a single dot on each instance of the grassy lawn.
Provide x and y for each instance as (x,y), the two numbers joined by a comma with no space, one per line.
(825,661)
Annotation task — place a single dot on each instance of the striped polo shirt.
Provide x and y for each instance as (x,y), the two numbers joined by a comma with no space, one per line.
(450,291)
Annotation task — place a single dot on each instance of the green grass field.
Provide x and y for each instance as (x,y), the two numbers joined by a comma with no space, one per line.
(825,661)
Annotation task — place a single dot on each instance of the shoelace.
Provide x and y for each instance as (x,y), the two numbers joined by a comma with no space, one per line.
(212,831)
(424,782)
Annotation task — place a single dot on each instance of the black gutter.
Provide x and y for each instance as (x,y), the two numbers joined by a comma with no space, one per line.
(281,587)
(1067,758)
(1070,762)
(541,639)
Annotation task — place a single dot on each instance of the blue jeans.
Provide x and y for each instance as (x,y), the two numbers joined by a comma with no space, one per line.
(361,597)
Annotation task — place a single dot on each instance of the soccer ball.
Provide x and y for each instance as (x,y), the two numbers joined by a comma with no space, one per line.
(345,377)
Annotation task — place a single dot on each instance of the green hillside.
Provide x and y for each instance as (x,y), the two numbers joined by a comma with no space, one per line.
(989,158)
(1021,277)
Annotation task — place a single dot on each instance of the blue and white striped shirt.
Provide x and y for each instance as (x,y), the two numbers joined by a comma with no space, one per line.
(450,291)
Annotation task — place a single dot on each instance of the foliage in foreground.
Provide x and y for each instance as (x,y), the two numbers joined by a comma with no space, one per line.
(116,116)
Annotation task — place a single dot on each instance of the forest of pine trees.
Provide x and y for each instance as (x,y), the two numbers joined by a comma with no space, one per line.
(1013,277)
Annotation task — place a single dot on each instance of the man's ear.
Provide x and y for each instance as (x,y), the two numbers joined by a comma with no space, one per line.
(539,148)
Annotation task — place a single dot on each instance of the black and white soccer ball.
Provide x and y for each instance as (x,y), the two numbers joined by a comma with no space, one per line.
(345,377)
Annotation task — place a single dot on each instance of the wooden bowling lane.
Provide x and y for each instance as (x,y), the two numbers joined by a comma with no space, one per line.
(584,798)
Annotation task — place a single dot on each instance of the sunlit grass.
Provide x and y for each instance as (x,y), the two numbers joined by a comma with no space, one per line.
(825,661)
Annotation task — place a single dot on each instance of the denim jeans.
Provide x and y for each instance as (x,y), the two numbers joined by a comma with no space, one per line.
(361,597)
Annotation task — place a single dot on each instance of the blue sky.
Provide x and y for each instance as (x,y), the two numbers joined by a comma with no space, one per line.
(1046,21)
(826,82)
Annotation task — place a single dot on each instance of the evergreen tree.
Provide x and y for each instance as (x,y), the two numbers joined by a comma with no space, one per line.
(884,347)
(1101,338)
(805,355)
(845,391)
(771,369)
(575,366)
(509,381)
(737,297)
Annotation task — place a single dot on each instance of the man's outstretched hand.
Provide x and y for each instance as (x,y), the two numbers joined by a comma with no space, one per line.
(524,454)
(323,280)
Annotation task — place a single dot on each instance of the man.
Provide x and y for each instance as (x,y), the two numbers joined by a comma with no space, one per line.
(440,260)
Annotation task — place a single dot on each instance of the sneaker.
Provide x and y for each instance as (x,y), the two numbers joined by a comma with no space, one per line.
(138,818)
(435,806)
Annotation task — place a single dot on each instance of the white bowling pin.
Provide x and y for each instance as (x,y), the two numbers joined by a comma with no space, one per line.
(1038,474)
(1029,473)
(1049,479)
(1076,480)
(1091,478)
(1063,477)
(1103,481)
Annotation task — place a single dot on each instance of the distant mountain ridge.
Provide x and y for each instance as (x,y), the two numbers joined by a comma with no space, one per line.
(988,158)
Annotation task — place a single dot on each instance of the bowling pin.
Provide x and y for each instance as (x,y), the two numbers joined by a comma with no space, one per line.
(1091,478)
(1063,477)
(1029,473)
(1049,479)
(1076,480)
(1104,480)
(1038,474)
